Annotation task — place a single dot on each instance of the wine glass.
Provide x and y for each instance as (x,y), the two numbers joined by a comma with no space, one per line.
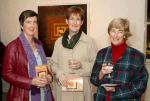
(108,66)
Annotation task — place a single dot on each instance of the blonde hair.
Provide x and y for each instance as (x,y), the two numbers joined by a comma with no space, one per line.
(120,23)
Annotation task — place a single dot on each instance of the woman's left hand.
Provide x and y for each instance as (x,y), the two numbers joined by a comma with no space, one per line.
(110,89)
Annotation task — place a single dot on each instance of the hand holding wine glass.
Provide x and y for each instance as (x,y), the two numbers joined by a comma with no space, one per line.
(74,64)
(106,69)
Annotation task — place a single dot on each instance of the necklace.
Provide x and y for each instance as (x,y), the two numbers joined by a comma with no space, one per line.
(33,47)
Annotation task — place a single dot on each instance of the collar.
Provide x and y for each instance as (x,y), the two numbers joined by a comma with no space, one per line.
(83,37)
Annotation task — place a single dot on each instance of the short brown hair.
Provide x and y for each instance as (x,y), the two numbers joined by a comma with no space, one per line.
(120,23)
(75,10)
(26,14)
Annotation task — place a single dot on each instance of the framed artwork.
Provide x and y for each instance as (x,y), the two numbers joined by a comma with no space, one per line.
(148,43)
(148,31)
(52,24)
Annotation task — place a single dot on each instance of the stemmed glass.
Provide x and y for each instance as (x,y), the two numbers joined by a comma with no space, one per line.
(108,76)
(71,63)
(108,66)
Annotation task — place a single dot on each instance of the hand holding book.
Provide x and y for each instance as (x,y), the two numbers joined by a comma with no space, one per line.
(42,76)
(74,84)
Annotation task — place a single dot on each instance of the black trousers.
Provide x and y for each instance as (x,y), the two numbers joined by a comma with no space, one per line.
(94,96)
(1,93)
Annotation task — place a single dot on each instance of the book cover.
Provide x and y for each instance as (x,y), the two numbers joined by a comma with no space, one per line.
(41,71)
(74,84)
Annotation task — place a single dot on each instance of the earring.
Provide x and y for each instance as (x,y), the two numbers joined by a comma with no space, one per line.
(124,36)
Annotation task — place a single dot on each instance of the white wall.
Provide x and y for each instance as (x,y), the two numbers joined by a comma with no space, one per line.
(100,13)
(9,15)
(103,11)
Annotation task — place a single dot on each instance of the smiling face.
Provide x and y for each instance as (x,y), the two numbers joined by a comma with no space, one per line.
(117,36)
(29,26)
(74,23)
(119,31)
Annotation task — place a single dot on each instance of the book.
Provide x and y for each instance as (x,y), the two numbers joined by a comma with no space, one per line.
(74,84)
(41,71)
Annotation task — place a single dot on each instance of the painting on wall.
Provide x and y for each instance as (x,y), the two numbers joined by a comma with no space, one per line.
(148,31)
(148,43)
(52,24)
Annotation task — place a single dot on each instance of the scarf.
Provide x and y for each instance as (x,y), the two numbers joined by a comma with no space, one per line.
(35,91)
(117,51)
(72,42)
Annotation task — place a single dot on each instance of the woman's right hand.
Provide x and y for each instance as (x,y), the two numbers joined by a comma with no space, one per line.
(105,70)
(39,82)
(74,64)
(63,80)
